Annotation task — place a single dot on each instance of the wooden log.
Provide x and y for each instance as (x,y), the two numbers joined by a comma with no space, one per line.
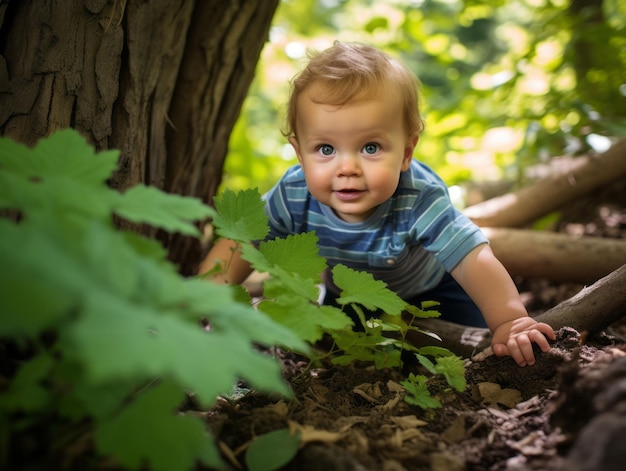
(555,256)
(592,310)
(526,205)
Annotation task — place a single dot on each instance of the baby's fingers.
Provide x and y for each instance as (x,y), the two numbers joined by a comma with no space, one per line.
(521,350)
(500,350)
(540,339)
(545,329)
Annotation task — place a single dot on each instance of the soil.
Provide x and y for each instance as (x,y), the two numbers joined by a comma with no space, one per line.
(568,411)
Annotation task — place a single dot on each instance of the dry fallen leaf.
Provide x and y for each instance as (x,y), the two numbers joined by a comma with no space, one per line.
(492,394)
(369,392)
(310,434)
(280,408)
(408,421)
(345,423)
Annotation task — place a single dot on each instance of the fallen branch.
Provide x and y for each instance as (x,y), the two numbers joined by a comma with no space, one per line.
(592,310)
(551,193)
(555,256)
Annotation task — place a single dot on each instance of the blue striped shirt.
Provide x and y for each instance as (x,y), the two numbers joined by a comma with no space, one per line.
(409,242)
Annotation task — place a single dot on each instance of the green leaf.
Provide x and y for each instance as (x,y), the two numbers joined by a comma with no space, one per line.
(296,253)
(283,282)
(308,321)
(361,288)
(150,431)
(435,351)
(219,304)
(453,369)
(366,346)
(425,311)
(115,338)
(417,392)
(272,450)
(63,154)
(16,158)
(26,392)
(60,194)
(35,293)
(96,401)
(426,363)
(174,213)
(241,216)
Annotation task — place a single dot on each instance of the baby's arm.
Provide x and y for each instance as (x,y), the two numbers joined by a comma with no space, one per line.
(489,285)
(234,268)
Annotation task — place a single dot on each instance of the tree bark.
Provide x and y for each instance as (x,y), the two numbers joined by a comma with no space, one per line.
(594,308)
(161,80)
(218,66)
(555,256)
(526,205)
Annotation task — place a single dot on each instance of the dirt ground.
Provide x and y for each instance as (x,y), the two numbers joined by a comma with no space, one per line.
(567,412)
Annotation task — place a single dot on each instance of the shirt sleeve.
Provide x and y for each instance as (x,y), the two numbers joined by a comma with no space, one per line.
(285,204)
(442,229)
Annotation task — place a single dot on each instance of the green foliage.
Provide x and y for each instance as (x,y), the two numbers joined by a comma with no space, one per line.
(417,392)
(108,333)
(240,217)
(505,84)
(149,428)
(272,450)
(361,288)
(291,299)
(446,364)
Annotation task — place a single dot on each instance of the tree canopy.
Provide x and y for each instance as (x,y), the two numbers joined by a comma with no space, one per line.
(505,84)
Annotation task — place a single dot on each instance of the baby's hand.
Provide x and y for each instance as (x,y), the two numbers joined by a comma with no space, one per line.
(516,337)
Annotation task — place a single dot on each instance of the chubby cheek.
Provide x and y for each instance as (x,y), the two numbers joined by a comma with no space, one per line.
(384,182)
(317,179)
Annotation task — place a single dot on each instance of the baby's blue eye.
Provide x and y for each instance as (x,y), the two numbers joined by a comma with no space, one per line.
(370,148)
(326,149)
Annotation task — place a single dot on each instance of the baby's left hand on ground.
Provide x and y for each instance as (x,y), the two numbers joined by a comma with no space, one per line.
(515,338)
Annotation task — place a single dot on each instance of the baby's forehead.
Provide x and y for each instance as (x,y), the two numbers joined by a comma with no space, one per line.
(320,92)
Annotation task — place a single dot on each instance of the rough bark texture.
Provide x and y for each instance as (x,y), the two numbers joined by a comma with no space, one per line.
(529,204)
(217,69)
(556,256)
(594,308)
(161,80)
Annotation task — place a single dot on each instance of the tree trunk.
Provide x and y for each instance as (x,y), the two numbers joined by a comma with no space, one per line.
(554,256)
(161,80)
(528,204)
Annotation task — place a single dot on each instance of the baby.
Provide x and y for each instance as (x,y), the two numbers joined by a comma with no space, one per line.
(354,120)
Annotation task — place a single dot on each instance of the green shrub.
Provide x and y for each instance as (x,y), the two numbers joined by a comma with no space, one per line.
(101,338)
(100,335)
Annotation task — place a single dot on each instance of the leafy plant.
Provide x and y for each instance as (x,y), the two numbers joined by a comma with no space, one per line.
(272,450)
(99,332)
(446,364)
(292,291)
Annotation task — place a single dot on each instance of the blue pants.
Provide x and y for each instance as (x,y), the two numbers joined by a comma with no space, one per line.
(454,304)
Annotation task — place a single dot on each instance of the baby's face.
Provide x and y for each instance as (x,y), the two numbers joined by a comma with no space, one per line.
(352,155)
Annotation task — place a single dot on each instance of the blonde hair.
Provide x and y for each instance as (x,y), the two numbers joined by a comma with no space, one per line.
(348,72)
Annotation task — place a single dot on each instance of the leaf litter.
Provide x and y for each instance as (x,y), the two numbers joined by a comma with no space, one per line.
(509,418)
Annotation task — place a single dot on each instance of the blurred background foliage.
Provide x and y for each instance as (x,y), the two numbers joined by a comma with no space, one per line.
(505,83)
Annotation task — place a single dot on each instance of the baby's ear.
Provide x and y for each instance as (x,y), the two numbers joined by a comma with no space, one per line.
(408,152)
(294,143)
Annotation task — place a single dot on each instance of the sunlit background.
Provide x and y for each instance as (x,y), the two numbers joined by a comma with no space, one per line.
(506,84)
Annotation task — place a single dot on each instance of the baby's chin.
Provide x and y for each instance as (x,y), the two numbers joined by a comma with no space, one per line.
(353,217)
